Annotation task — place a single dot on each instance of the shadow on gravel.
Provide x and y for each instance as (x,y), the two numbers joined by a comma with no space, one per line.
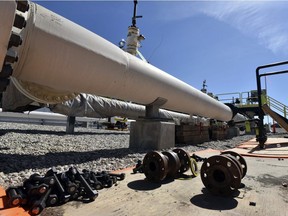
(15,162)
(59,133)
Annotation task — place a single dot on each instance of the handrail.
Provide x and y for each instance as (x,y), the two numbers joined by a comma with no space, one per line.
(273,103)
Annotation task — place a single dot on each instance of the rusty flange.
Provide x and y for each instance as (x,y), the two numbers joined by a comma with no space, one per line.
(239,158)
(221,175)
(155,166)
(173,163)
(238,164)
(184,160)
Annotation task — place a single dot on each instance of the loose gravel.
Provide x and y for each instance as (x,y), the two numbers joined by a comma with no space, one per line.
(26,149)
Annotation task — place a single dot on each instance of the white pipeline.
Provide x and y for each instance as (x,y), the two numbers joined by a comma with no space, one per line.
(62,56)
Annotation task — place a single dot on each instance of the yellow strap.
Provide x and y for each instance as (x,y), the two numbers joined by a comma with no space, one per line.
(193,167)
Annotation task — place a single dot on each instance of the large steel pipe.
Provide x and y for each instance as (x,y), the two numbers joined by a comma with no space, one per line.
(61,56)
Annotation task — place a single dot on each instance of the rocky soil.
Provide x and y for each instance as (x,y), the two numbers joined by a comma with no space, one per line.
(26,149)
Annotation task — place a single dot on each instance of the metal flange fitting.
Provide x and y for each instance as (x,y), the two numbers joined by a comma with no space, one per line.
(222,174)
(11,26)
(159,165)
(18,17)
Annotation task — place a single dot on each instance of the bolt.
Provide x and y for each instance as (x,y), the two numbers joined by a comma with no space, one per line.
(36,178)
(15,40)
(23,195)
(42,188)
(14,199)
(114,179)
(109,183)
(120,176)
(35,189)
(6,71)
(19,21)
(71,187)
(89,192)
(91,180)
(104,178)
(22,6)
(39,205)
(96,183)
(11,56)
(52,200)
(63,197)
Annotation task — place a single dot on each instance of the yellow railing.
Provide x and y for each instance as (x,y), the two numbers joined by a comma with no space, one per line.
(247,99)
(277,105)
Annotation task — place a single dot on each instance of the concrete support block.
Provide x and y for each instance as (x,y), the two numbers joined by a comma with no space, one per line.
(232,132)
(151,134)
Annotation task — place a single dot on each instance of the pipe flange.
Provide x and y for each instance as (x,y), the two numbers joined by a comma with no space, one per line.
(173,163)
(155,166)
(42,94)
(184,160)
(239,158)
(238,164)
(18,9)
(221,175)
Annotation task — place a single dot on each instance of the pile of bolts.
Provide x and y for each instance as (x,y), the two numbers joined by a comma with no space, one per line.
(39,192)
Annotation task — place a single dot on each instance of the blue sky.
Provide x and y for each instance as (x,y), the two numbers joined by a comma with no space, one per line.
(220,41)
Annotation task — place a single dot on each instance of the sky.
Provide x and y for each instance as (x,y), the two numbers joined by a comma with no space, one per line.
(222,42)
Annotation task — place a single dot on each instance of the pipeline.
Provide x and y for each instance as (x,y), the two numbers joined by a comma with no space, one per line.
(100,107)
(87,105)
(57,59)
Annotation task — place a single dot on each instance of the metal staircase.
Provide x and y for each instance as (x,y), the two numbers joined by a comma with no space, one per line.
(277,111)
(247,103)
(276,105)
(258,104)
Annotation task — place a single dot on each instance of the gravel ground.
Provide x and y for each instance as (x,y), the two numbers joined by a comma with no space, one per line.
(26,149)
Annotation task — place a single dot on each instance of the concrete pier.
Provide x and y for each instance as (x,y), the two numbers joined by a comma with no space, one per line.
(152,134)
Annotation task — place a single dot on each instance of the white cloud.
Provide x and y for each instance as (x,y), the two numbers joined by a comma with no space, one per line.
(264,20)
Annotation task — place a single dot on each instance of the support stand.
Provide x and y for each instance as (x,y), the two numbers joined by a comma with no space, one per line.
(152,132)
(70,124)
